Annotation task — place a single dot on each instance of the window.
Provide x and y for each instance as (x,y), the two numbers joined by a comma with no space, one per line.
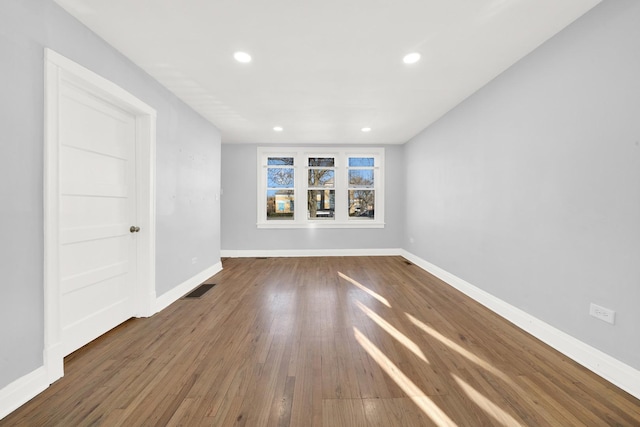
(280,188)
(331,189)
(321,193)
(361,187)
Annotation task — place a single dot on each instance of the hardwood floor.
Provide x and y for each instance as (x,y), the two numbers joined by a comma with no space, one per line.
(366,341)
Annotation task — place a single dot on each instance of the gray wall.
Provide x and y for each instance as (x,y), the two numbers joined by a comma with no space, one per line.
(530,189)
(188,168)
(239,210)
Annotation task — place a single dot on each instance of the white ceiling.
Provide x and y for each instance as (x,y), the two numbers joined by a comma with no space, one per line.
(323,69)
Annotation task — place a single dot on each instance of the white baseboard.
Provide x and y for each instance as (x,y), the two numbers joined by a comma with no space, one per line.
(286,253)
(22,390)
(600,363)
(168,298)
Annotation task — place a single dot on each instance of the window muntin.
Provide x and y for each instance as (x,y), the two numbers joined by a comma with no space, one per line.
(340,188)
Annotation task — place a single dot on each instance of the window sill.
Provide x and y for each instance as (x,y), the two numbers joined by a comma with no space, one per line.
(320,224)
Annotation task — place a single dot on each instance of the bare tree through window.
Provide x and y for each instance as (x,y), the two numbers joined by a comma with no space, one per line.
(321,188)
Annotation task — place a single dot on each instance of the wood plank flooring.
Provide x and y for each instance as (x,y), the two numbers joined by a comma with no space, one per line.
(364,341)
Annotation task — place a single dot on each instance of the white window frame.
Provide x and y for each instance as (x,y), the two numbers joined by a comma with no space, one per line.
(341,218)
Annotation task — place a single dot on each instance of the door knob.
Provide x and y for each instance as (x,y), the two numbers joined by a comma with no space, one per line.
(134,229)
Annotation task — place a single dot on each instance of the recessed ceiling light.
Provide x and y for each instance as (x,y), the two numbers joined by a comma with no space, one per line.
(278,128)
(243,57)
(411,58)
(366,129)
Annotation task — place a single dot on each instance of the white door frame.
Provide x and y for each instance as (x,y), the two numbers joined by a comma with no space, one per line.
(59,69)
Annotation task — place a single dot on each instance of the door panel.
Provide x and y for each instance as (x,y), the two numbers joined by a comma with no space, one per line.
(97,263)
(89,113)
(91,212)
(88,173)
(105,295)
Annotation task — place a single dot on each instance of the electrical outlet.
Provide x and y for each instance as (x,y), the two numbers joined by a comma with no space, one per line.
(194,260)
(602,313)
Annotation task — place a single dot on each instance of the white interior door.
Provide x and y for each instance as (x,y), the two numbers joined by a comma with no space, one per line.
(99,177)
(97,207)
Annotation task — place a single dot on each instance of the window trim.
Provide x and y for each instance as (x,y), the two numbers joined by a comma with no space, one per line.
(341,186)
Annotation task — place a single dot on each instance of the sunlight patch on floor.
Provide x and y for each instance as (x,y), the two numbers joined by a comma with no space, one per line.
(490,408)
(399,336)
(362,287)
(425,404)
(460,350)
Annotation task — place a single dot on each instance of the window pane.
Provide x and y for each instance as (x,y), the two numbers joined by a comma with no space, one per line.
(361,161)
(321,203)
(321,161)
(321,177)
(280,177)
(280,161)
(361,178)
(362,203)
(280,204)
